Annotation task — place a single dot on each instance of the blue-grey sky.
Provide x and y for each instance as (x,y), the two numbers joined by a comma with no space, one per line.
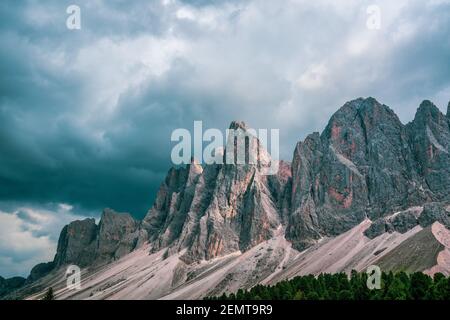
(86,115)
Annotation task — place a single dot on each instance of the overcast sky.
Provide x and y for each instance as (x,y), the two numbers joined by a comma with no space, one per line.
(86,115)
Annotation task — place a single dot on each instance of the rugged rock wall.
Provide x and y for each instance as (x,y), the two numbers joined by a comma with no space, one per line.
(404,221)
(84,243)
(366,163)
(429,136)
(220,208)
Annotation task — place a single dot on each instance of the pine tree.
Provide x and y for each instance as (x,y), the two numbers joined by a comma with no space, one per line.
(240,295)
(420,286)
(395,286)
(345,295)
(441,287)
(49,295)
(397,290)
(312,296)
(299,295)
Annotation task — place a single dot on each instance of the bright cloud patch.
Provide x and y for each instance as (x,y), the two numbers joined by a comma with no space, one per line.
(28,236)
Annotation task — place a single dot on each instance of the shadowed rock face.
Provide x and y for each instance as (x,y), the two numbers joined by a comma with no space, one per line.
(165,220)
(360,166)
(365,164)
(118,235)
(9,285)
(429,136)
(435,212)
(406,220)
(40,270)
(84,243)
(77,243)
(448,110)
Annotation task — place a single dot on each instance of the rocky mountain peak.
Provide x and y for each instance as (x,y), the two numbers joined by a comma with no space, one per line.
(77,243)
(244,147)
(85,243)
(429,139)
(359,104)
(427,112)
(365,114)
(362,166)
(219,208)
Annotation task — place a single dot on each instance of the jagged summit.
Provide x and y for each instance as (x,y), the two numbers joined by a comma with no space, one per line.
(427,104)
(429,139)
(367,113)
(223,209)
(84,243)
(428,111)
(360,103)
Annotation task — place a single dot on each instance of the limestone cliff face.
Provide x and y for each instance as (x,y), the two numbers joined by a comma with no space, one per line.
(77,243)
(84,243)
(429,135)
(118,235)
(165,220)
(219,208)
(366,163)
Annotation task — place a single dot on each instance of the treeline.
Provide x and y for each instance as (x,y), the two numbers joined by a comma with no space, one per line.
(398,286)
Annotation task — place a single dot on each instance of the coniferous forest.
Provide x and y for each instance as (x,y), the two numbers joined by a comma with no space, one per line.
(339,286)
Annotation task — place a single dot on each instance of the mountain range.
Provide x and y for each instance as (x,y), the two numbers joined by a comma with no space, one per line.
(368,190)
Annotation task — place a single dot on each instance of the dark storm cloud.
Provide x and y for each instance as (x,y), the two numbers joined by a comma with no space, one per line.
(86,120)
(45,155)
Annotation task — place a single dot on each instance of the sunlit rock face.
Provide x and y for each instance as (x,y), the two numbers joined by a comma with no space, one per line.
(218,208)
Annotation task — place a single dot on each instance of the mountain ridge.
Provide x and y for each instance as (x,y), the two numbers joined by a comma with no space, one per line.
(364,166)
